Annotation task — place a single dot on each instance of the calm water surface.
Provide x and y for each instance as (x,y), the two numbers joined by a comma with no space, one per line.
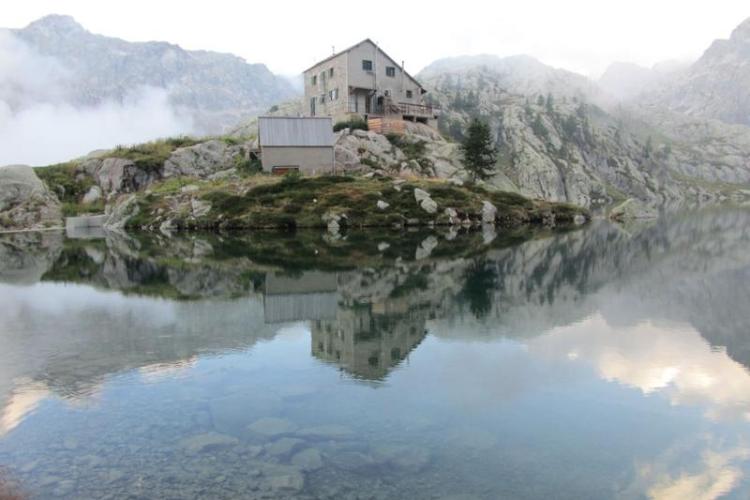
(609,362)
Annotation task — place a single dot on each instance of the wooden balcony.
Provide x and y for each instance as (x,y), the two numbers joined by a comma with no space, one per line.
(387,108)
(413,110)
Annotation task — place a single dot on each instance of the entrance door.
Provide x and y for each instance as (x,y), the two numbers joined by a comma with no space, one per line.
(368,105)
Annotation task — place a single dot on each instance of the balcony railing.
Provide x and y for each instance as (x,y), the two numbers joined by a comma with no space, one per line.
(418,110)
(390,108)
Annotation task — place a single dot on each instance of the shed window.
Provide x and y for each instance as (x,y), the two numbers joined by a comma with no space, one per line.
(409,94)
(367,65)
(390,71)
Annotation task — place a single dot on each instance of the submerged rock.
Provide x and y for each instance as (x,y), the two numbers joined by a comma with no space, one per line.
(332,431)
(308,460)
(271,426)
(207,442)
(282,446)
(402,456)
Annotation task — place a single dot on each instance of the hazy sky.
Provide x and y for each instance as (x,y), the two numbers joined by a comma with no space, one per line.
(289,36)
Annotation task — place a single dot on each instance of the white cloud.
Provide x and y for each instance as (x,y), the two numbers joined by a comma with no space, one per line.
(583,35)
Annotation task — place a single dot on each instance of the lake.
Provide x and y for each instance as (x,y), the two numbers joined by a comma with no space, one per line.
(605,362)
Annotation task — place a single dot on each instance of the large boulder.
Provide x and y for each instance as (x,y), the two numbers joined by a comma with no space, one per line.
(204,159)
(119,213)
(119,175)
(25,201)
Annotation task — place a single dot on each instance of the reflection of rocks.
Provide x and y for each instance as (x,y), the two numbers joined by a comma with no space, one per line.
(25,257)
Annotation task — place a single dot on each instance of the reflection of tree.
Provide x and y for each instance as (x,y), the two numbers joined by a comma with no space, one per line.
(480,280)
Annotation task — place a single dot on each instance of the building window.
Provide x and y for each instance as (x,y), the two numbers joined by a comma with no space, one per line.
(330,72)
(315,80)
(390,71)
(323,77)
(409,94)
(366,65)
(322,99)
(387,93)
(333,95)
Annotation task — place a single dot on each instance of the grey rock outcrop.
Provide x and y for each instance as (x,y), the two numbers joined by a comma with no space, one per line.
(119,213)
(632,209)
(489,212)
(425,201)
(203,159)
(717,86)
(118,175)
(25,201)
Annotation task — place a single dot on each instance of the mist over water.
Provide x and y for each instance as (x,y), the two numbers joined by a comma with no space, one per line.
(40,123)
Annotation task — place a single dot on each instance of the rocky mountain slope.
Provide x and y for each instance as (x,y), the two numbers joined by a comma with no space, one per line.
(559,146)
(215,89)
(520,74)
(626,81)
(717,86)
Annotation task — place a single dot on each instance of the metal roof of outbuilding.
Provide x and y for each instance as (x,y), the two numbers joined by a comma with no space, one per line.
(289,131)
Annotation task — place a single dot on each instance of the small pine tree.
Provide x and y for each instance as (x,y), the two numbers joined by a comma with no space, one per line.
(550,104)
(479,153)
(648,148)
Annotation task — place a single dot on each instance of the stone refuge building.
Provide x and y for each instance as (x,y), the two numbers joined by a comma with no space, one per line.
(301,144)
(365,82)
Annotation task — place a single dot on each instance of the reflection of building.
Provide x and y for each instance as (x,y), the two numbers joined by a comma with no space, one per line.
(310,296)
(368,340)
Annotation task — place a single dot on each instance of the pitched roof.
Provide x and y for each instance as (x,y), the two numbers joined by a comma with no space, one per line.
(288,131)
(366,40)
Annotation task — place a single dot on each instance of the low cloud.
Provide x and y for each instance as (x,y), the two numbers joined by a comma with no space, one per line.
(40,123)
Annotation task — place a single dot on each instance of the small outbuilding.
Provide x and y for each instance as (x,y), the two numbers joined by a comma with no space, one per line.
(296,144)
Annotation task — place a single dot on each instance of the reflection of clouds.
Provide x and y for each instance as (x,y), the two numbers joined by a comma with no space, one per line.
(68,300)
(656,358)
(717,473)
(22,402)
(719,477)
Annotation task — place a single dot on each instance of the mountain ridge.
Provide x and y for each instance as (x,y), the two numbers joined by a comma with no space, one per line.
(216,89)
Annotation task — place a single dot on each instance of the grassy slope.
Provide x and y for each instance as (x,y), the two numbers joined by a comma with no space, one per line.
(265,202)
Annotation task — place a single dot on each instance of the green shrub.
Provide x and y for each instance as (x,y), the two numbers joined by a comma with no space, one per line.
(62,180)
(152,155)
(353,124)
(248,166)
